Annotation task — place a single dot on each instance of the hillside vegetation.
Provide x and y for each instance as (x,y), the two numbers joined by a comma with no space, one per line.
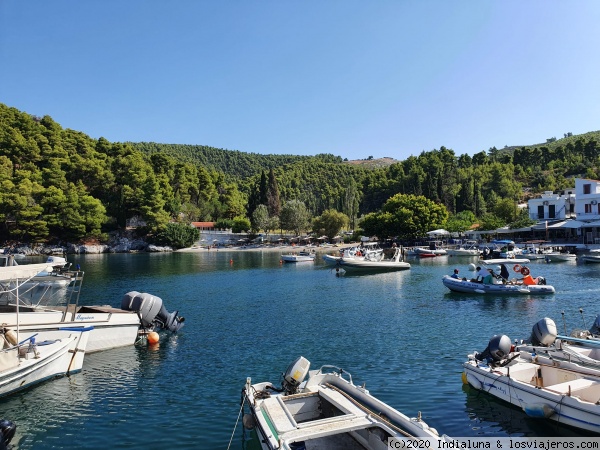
(60,184)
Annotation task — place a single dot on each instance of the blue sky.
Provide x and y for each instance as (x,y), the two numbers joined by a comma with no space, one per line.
(352,78)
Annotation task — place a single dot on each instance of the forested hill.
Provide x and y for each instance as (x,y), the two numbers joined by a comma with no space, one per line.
(235,163)
(60,183)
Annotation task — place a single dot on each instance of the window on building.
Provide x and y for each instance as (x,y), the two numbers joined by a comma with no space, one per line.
(587,188)
(551,211)
(588,208)
(540,212)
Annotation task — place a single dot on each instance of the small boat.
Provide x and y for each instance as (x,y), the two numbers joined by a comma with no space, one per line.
(546,346)
(326,411)
(464,251)
(298,257)
(559,257)
(434,251)
(543,391)
(592,257)
(474,287)
(383,265)
(29,358)
(113,327)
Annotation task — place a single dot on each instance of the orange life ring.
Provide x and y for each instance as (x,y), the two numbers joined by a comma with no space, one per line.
(517,268)
(525,271)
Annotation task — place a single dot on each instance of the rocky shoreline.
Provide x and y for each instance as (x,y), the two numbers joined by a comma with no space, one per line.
(120,245)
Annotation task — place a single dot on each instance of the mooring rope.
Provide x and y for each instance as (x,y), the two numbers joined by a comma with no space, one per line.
(236,422)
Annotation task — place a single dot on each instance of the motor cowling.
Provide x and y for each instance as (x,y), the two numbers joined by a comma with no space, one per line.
(498,348)
(595,329)
(7,432)
(151,311)
(544,332)
(295,374)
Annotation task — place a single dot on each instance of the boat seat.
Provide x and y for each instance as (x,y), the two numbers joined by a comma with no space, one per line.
(341,402)
(575,385)
(280,417)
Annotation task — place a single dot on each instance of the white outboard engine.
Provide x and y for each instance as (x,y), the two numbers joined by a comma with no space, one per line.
(151,311)
(544,332)
(295,374)
(498,348)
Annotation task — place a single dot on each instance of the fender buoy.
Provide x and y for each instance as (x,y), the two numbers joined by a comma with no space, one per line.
(517,268)
(525,271)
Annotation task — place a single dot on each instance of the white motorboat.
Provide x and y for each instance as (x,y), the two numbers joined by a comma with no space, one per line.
(56,275)
(298,257)
(366,264)
(471,251)
(474,287)
(592,257)
(38,311)
(30,358)
(559,257)
(368,250)
(543,391)
(327,411)
(430,251)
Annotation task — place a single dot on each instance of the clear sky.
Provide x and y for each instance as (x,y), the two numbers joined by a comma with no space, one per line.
(353,78)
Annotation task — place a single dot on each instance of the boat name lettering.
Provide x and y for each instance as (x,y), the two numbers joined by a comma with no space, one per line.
(82,317)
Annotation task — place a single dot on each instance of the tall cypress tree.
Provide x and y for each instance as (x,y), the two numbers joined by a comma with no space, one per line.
(273,203)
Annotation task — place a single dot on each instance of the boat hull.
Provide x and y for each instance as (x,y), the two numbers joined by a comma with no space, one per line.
(63,356)
(471,287)
(559,401)
(112,328)
(373,266)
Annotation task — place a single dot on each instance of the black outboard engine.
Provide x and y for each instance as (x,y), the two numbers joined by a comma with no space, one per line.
(498,348)
(151,311)
(7,431)
(541,280)
(544,333)
(595,329)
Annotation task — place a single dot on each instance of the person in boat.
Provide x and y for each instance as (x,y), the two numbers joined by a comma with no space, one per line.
(504,273)
(481,274)
(489,278)
(527,279)
(455,274)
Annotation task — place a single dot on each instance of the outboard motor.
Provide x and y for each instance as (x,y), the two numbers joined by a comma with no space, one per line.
(7,431)
(544,332)
(295,374)
(498,348)
(151,311)
(541,280)
(595,329)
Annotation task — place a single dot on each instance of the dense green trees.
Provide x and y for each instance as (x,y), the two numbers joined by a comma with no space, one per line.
(59,184)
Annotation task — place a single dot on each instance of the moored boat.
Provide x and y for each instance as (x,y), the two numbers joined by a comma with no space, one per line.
(543,391)
(326,411)
(474,287)
(298,257)
(113,327)
(592,257)
(365,264)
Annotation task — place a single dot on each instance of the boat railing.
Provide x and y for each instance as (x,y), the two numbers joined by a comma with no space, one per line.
(338,371)
(74,292)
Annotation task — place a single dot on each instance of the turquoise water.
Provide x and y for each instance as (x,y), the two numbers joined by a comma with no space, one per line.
(247,315)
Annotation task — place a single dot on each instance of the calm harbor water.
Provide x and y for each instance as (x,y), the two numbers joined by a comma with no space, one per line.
(402,333)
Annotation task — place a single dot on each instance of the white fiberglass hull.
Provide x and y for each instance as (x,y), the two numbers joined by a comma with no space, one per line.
(328,412)
(560,395)
(364,265)
(54,359)
(112,329)
(471,287)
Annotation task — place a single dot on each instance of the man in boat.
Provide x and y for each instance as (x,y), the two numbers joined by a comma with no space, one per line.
(455,274)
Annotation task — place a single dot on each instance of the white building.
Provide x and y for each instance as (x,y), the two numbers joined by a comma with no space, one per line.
(587,203)
(551,206)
